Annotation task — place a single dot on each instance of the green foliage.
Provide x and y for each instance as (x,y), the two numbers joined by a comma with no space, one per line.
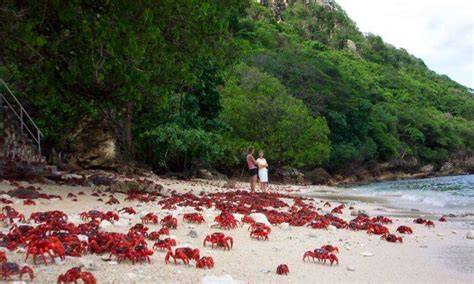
(258,110)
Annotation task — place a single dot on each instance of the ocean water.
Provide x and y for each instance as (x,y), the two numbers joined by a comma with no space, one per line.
(454,194)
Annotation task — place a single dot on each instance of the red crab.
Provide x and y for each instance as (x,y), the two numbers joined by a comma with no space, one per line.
(185,254)
(164,231)
(3,258)
(71,195)
(377,229)
(327,204)
(205,262)
(259,231)
(283,269)
(74,274)
(391,238)
(154,236)
(336,210)
(442,219)
(219,239)
(247,219)
(112,200)
(140,229)
(330,248)
(169,222)
(381,219)
(321,255)
(419,221)
(404,230)
(11,268)
(10,213)
(165,244)
(28,202)
(429,224)
(226,221)
(41,246)
(150,218)
(128,210)
(193,218)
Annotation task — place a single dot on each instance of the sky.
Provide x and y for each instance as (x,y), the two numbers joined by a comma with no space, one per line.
(440,32)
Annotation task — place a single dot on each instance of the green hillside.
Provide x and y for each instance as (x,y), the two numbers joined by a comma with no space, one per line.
(202,80)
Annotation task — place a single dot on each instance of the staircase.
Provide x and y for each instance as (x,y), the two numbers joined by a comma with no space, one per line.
(20,138)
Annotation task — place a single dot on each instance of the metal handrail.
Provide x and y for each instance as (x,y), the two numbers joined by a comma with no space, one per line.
(23,113)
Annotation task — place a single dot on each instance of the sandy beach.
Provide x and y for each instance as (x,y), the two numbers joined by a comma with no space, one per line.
(441,254)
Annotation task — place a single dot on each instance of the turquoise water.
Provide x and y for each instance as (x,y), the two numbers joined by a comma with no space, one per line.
(452,194)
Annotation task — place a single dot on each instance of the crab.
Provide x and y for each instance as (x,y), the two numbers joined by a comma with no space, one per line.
(154,236)
(381,219)
(259,231)
(331,257)
(3,258)
(420,221)
(391,238)
(226,221)
(185,254)
(41,246)
(404,230)
(128,210)
(150,218)
(205,262)
(283,269)
(74,274)
(28,202)
(11,268)
(193,218)
(429,224)
(219,239)
(377,229)
(327,204)
(330,248)
(165,244)
(169,222)
(10,213)
(442,219)
(71,195)
(164,231)
(112,200)
(139,229)
(315,254)
(336,210)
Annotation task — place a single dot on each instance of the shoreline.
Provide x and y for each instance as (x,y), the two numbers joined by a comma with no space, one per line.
(418,259)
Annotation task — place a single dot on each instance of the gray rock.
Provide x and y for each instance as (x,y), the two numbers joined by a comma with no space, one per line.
(89,265)
(193,234)
(351,268)
(427,169)
(470,235)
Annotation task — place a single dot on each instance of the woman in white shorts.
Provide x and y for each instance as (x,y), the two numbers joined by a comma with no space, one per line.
(262,171)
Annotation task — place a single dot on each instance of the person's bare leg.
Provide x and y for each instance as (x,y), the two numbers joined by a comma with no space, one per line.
(262,186)
(254,183)
(251,184)
(265,186)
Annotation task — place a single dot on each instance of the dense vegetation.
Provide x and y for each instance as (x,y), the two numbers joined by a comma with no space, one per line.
(192,83)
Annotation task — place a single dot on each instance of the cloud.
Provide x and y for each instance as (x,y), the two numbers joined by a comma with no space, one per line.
(440,32)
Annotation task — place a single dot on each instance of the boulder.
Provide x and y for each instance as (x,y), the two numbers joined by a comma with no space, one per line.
(231,184)
(127,186)
(290,175)
(318,176)
(427,169)
(446,167)
(95,147)
(204,174)
(351,46)
(24,193)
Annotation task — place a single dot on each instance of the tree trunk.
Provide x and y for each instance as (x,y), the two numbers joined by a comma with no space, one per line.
(128,127)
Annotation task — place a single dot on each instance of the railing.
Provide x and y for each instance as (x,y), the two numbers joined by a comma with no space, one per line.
(27,124)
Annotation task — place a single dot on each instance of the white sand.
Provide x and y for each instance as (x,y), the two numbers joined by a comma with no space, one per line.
(429,255)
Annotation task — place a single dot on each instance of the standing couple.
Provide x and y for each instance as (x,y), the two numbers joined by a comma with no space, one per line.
(257,167)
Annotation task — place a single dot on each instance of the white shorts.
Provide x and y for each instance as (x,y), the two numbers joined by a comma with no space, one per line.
(263,175)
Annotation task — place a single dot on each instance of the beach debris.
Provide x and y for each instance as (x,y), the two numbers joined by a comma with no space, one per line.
(193,234)
(282,269)
(212,279)
(358,212)
(260,218)
(89,265)
(367,254)
(351,268)
(266,271)
(219,239)
(470,235)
